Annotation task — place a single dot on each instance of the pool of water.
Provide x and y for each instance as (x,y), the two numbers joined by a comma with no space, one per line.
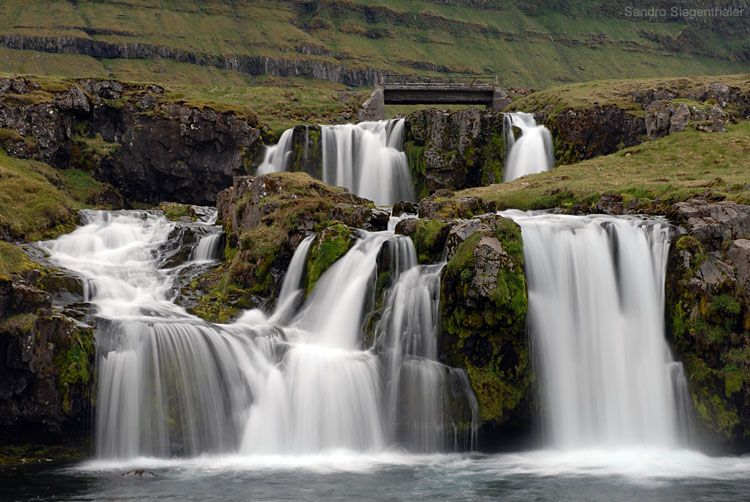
(579,475)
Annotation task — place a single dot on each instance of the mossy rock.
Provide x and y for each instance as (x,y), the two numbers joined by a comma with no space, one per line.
(483,308)
(709,327)
(329,245)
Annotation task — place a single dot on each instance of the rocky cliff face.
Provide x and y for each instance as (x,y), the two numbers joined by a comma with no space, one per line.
(252,65)
(46,359)
(483,304)
(130,136)
(601,129)
(454,150)
(708,316)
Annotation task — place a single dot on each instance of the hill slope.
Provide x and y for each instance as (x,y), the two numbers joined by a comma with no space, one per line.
(349,41)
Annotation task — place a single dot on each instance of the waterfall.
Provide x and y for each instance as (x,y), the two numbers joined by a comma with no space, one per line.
(209,248)
(276,158)
(530,153)
(418,393)
(596,324)
(306,381)
(367,158)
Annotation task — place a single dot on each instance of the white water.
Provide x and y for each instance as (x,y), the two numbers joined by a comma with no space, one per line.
(532,152)
(367,158)
(596,322)
(172,384)
(209,248)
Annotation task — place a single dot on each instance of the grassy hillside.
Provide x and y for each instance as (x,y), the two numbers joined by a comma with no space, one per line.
(667,170)
(37,201)
(527,43)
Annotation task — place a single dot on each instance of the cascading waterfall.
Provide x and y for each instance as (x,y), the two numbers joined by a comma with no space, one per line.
(596,323)
(173,384)
(530,153)
(367,158)
(419,389)
(209,248)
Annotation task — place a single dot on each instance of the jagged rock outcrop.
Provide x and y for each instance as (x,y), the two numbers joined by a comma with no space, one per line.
(454,150)
(129,136)
(251,65)
(590,132)
(46,359)
(265,219)
(708,316)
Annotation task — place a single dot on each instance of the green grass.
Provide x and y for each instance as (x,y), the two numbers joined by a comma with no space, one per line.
(620,92)
(37,201)
(669,169)
(527,43)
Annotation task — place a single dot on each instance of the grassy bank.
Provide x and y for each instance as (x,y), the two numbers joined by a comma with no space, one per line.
(669,169)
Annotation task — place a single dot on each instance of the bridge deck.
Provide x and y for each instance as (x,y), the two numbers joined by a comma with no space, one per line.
(417,90)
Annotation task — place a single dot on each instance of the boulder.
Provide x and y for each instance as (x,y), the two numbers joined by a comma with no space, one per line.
(483,309)
(679,120)
(658,117)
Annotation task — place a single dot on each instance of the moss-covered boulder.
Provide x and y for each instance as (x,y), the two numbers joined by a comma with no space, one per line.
(329,245)
(265,218)
(483,306)
(428,236)
(708,318)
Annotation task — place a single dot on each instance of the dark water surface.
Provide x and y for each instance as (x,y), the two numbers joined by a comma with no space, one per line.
(582,475)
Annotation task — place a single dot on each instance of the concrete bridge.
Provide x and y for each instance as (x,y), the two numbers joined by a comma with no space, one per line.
(430,90)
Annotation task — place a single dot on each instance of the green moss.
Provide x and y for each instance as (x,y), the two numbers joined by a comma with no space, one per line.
(429,240)
(13,455)
(73,365)
(415,155)
(330,245)
(707,331)
(175,211)
(20,324)
(13,260)
(487,336)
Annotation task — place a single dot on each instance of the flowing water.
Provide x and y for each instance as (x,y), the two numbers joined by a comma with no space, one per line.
(367,158)
(596,324)
(302,404)
(292,383)
(532,152)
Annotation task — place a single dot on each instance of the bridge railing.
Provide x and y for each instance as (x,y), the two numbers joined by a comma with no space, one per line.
(394,80)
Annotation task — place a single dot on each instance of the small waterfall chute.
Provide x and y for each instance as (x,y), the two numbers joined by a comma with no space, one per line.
(532,152)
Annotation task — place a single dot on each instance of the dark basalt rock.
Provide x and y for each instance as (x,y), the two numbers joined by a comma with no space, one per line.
(708,317)
(150,150)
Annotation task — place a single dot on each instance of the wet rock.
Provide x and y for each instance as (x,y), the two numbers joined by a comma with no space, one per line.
(483,309)
(454,150)
(609,204)
(404,207)
(441,205)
